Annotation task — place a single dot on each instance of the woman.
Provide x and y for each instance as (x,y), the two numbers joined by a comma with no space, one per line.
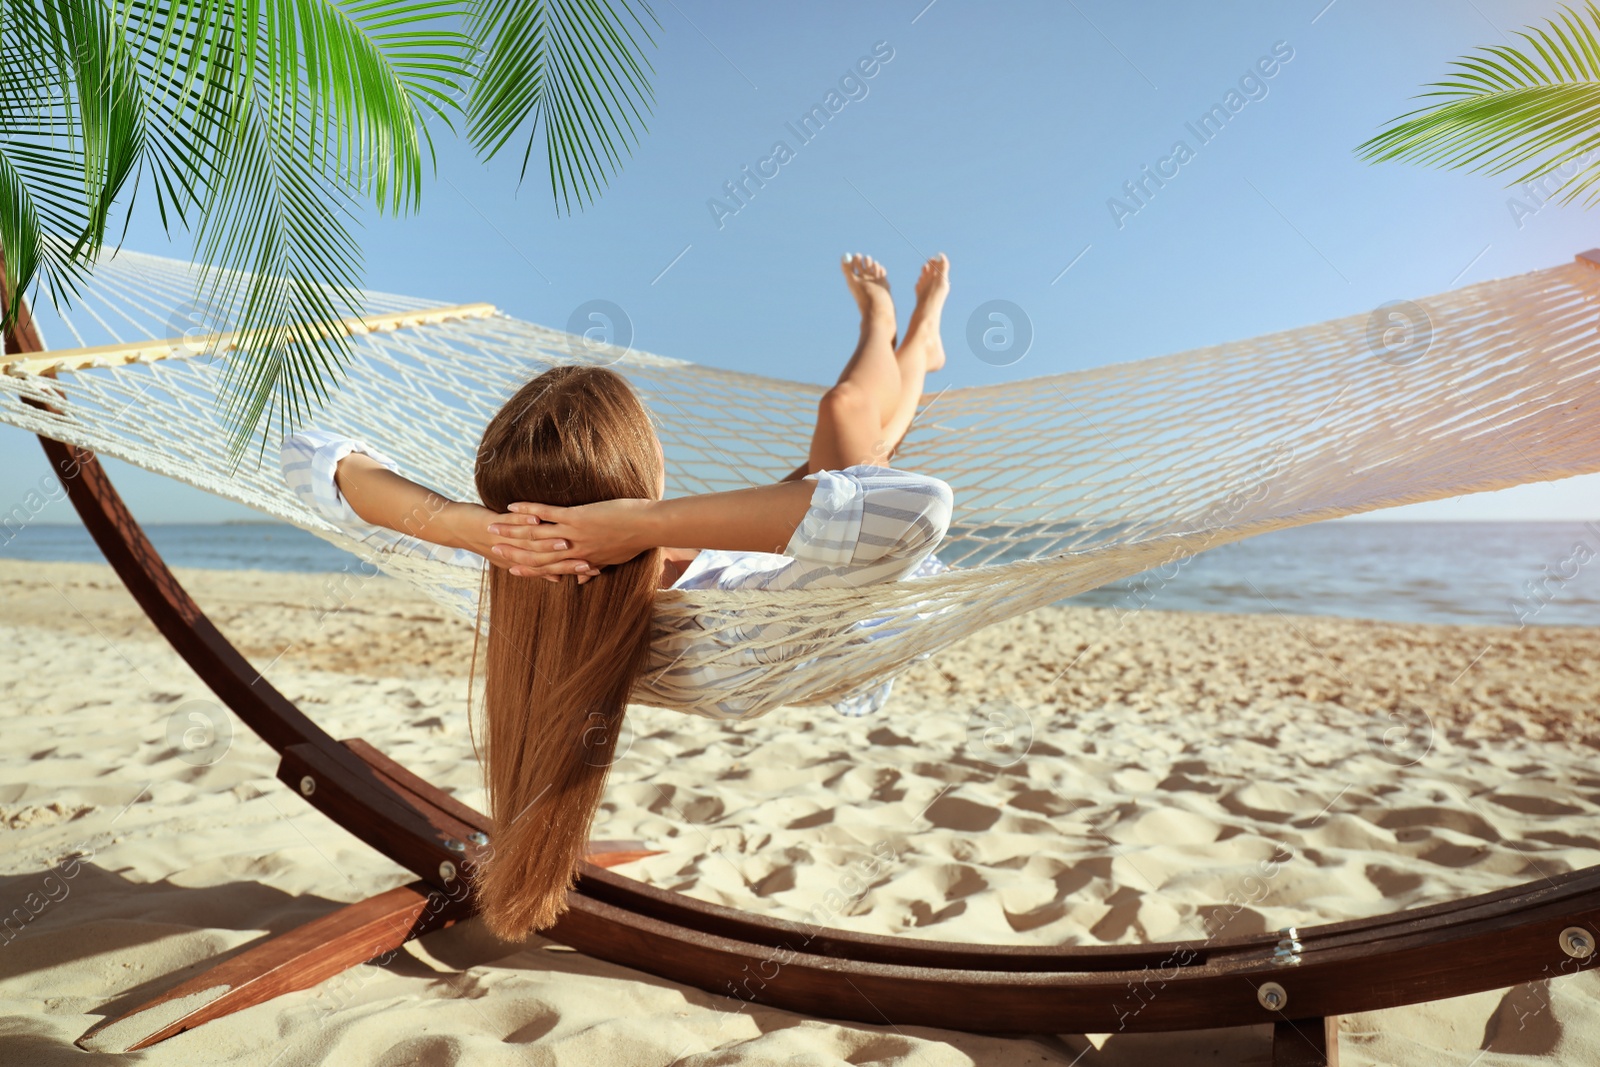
(562,655)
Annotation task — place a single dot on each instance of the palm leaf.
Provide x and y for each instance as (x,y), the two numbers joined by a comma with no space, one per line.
(19,236)
(571,69)
(70,136)
(281,258)
(1531,112)
(262,125)
(275,118)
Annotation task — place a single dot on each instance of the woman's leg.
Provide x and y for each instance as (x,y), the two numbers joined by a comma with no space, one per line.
(850,416)
(864,416)
(922,352)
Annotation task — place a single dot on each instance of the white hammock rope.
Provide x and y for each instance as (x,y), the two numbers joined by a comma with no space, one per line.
(1062,483)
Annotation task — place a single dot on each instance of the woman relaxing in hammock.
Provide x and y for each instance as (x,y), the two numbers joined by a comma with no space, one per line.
(572,475)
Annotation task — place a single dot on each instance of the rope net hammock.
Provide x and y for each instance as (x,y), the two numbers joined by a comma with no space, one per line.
(1062,483)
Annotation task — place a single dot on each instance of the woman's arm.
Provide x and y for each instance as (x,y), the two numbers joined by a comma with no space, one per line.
(759,519)
(382,497)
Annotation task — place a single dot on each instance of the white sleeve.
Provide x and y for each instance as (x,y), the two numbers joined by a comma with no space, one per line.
(867,524)
(309,460)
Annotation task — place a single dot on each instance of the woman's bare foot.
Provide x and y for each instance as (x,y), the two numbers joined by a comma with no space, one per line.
(869,284)
(933,285)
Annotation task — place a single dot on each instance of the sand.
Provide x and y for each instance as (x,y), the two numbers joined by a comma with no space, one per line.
(1076,776)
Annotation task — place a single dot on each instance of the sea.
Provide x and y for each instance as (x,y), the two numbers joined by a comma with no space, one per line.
(1496,573)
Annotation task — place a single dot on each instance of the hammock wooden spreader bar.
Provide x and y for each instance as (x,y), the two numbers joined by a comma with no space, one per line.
(217,344)
(1299,981)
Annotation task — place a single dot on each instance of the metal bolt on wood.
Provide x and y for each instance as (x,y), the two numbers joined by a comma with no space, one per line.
(1577,942)
(1272,996)
(308,785)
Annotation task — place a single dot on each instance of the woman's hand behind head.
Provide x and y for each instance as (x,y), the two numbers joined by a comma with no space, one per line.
(544,541)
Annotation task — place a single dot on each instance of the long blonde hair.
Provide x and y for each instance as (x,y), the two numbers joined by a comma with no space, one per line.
(560,659)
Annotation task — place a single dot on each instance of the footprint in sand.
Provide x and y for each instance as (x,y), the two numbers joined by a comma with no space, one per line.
(958,813)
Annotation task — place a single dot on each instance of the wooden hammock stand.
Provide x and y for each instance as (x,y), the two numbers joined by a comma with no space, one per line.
(1299,982)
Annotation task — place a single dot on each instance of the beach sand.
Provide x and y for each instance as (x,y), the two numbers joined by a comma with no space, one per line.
(1075,776)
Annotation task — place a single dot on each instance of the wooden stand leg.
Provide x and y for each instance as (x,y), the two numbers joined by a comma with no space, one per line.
(1306,1042)
(302,958)
(299,959)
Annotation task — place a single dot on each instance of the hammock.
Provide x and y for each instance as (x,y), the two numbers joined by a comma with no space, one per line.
(1062,483)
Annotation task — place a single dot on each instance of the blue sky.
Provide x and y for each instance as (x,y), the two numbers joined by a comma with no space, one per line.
(997,134)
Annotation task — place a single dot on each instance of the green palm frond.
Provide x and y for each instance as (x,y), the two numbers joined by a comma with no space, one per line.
(1531,111)
(279,253)
(572,69)
(69,138)
(308,105)
(263,126)
(19,235)
(258,125)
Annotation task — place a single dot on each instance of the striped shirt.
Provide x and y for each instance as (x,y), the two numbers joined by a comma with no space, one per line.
(864,525)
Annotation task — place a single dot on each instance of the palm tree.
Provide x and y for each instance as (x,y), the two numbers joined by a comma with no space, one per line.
(258,128)
(1533,111)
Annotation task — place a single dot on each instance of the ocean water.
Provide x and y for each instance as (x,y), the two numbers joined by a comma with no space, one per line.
(1500,573)
(262,546)
(1544,574)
